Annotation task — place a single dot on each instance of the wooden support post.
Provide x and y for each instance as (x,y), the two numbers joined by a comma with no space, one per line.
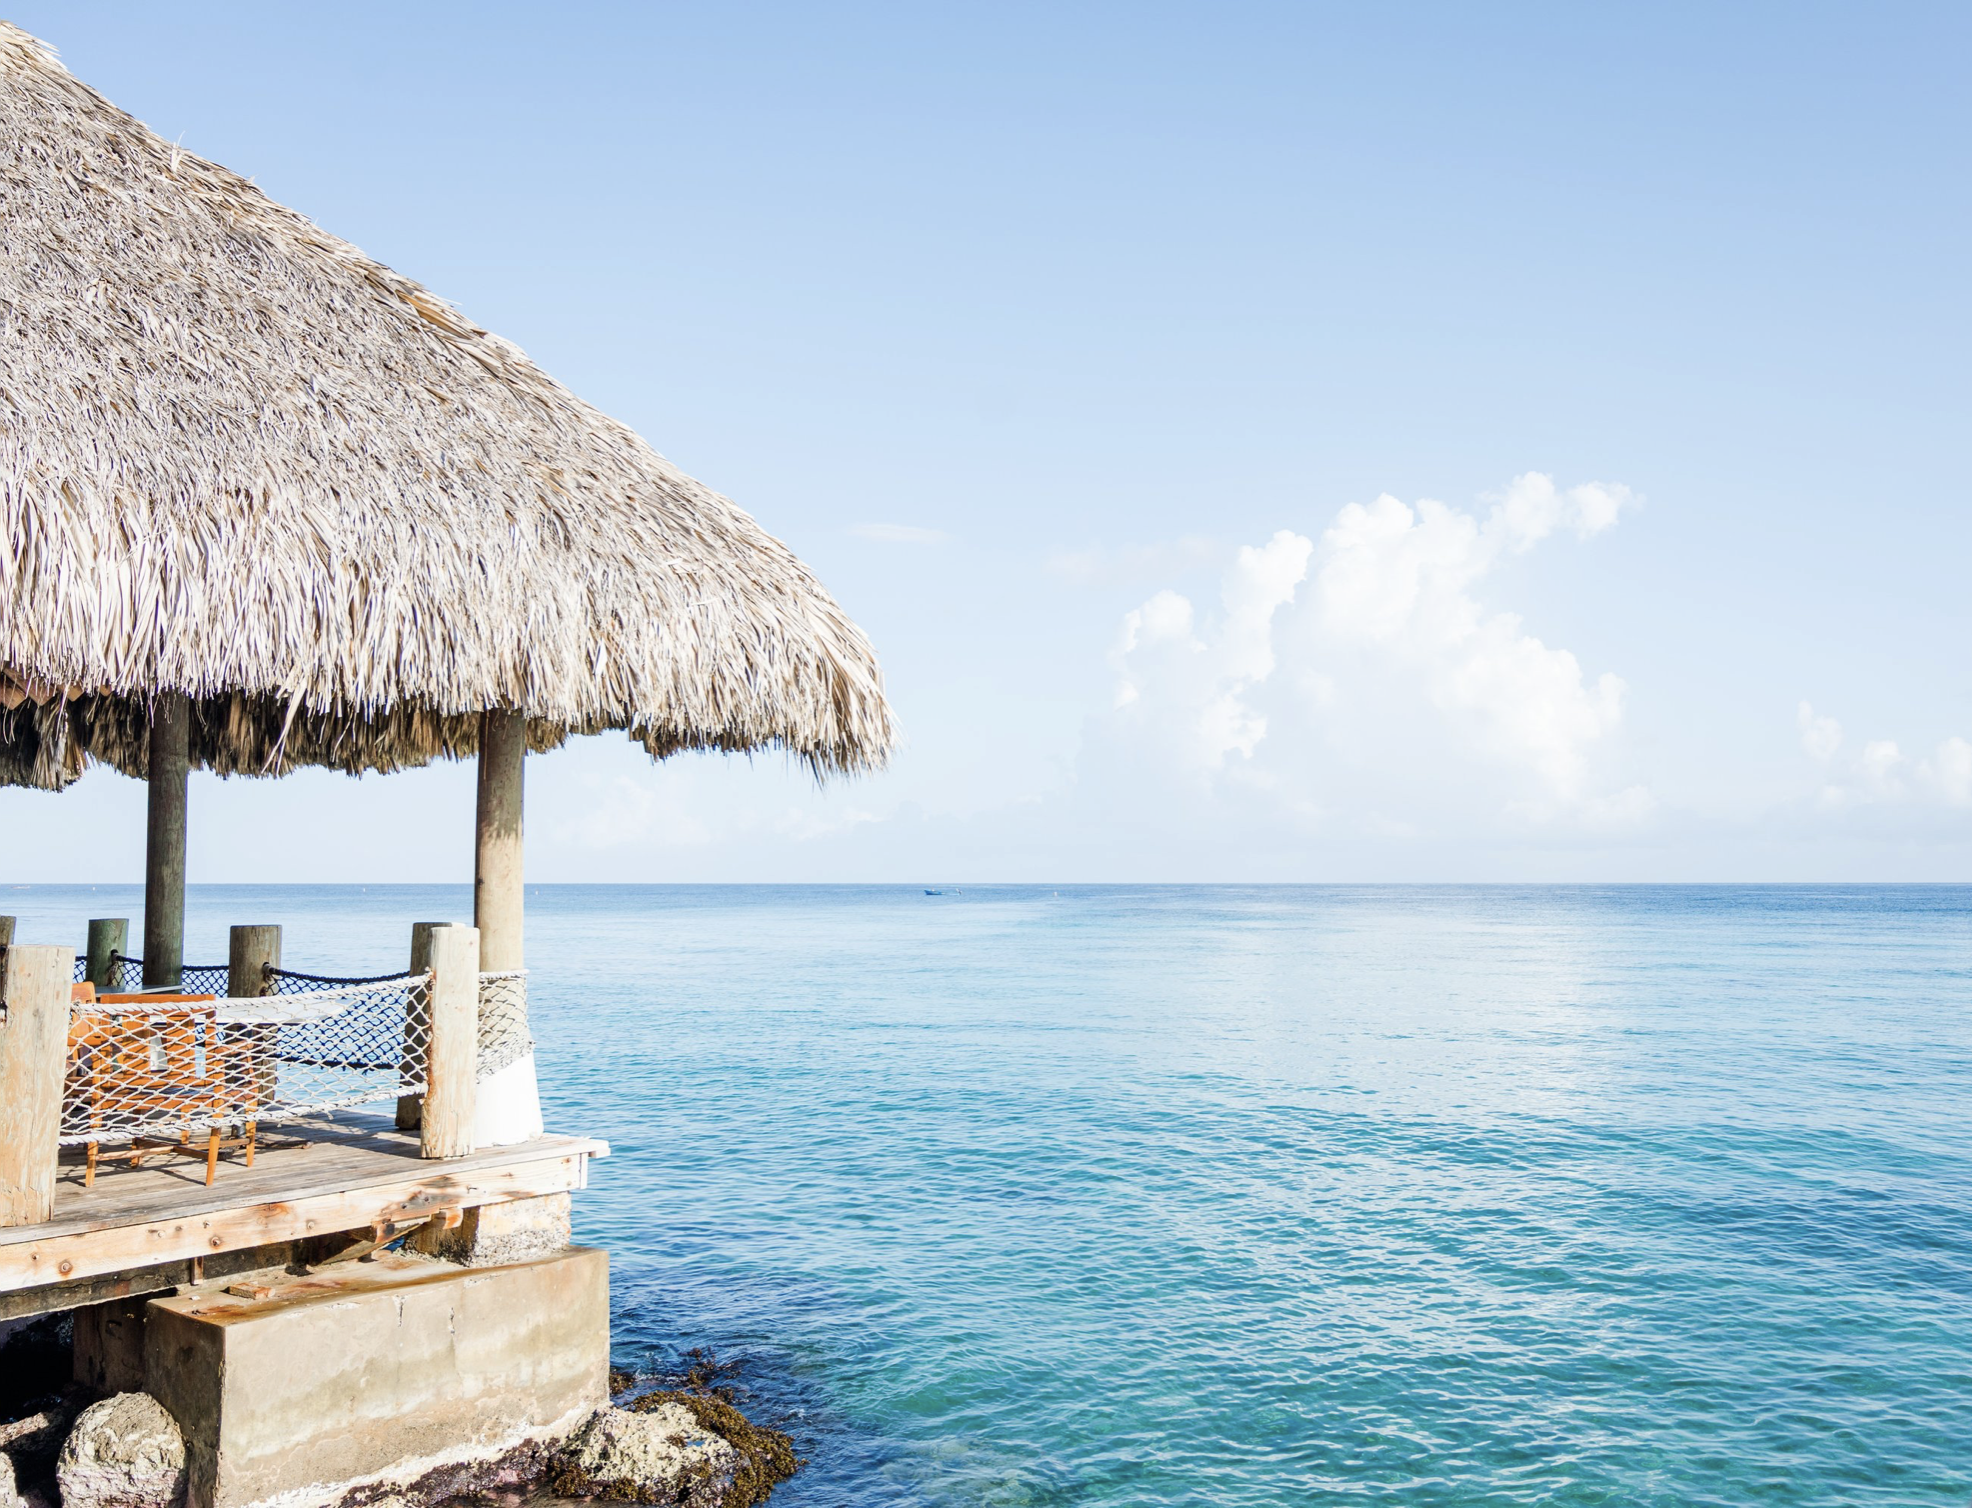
(107,937)
(417,1021)
(509,1101)
(164,848)
(6,931)
(33,1049)
(452,1066)
(498,898)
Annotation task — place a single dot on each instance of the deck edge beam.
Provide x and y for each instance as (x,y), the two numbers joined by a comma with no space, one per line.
(69,1259)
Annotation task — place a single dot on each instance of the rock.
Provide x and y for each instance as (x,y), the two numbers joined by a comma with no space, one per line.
(34,1434)
(764,1456)
(125,1450)
(27,1451)
(26,1446)
(660,1457)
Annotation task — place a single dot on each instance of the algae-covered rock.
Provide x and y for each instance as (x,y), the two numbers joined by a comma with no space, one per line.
(10,1494)
(764,1456)
(657,1457)
(125,1450)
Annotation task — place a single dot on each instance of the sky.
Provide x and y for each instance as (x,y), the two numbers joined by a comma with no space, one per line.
(1264,443)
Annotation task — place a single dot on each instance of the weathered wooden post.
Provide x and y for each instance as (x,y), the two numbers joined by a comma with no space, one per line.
(417,1026)
(509,1101)
(250,949)
(33,1047)
(498,899)
(164,840)
(452,1057)
(6,931)
(108,937)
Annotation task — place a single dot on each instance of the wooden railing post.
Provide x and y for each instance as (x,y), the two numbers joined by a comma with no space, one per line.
(33,1048)
(251,948)
(452,1062)
(411,1064)
(108,937)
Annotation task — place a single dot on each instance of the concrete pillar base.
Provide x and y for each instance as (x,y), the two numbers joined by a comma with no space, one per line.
(509,1232)
(365,1373)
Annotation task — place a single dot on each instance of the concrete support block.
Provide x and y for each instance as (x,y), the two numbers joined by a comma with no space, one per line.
(368,1372)
(109,1346)
(509,1232)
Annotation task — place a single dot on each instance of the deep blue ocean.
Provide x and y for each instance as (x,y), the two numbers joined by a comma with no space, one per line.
(1259,1195)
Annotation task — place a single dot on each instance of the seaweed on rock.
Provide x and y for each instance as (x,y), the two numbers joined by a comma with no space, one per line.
(766,1456)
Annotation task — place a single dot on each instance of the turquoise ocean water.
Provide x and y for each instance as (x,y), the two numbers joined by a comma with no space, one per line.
(1262,1195)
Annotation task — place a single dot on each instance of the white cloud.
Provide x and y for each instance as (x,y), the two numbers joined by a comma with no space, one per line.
(1882,773)
(1952,771)
(1396,579)
(900,534)
(1820,737)
(1204,679)
(1532,508)
(1880,759)
(1390,664)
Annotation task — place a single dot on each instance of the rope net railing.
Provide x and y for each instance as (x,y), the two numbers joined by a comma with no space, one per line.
(315,1044)
(503,1036)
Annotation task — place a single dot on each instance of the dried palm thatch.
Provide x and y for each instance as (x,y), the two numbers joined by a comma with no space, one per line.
(242,461)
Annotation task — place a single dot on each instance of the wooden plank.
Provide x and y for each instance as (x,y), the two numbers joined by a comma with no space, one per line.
(152,1279)
(68,1257)
(324,1168)
(33,1048)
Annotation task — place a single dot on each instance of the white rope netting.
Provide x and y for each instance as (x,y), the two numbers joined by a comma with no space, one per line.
(503,1035)
(142,1070)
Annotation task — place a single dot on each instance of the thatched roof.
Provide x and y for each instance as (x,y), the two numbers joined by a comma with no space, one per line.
(243,461)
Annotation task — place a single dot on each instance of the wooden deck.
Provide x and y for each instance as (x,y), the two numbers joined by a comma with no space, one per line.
(147,1229)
